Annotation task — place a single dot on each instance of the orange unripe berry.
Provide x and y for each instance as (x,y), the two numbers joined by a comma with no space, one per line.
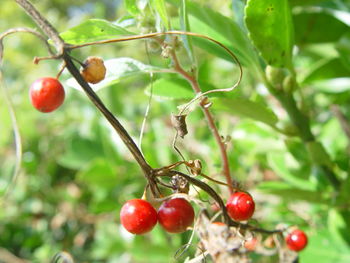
(94,70)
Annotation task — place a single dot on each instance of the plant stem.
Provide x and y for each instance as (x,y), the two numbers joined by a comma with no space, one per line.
(63,49)
(302,123)
(210,119)
(221,204)
(130,144)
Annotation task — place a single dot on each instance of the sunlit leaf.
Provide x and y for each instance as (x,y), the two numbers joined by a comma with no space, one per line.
(131,7)
(278,163)
(93,30)
(271,30)
(206,21)
(246,108)
(160,7)
(307,23)
(171,89)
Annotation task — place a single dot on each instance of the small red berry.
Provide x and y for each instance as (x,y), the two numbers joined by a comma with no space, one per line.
(138,216)
(175,215)
(296,240)
(251,244)
(240,206)
(46,94)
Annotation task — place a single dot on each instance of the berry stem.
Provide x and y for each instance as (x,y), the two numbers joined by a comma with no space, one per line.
(220,202)
(210,119)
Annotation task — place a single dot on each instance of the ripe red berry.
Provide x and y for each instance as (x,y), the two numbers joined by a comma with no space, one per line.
(175,215)
(240,206)
(46,94)
(296,240)
(138,216)
(94,70)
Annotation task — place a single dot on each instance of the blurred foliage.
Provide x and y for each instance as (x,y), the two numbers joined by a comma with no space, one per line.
(76,173)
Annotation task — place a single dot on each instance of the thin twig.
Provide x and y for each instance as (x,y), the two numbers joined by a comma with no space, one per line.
(148,104)
(25,30)
(18,140)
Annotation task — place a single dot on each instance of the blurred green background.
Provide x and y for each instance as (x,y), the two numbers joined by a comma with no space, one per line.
(76,173)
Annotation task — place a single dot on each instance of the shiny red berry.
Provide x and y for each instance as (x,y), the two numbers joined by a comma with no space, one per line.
(46,94)
(296,240)
(138,216)
(240,206)
(176,215)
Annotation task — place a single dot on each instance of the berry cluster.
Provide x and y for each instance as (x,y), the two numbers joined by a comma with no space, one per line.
(175,215)
(139,216)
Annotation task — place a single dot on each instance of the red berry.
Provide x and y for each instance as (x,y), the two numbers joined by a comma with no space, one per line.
(251,244)
(175,215)
(296,240)
(240,206)
(46,94)
(138,216)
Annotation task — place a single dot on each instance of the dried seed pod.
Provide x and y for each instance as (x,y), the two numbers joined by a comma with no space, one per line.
(180,184)
(179,123)
(195,166)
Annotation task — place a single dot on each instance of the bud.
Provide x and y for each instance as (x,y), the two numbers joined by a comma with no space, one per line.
(289,84)
(275,76)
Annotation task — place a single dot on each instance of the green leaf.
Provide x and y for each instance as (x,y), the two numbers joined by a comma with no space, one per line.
(100,174)
(270,26)
(343,48)
(326,69)
(173,88)
(159,5)
(318,154)
(322,249)
(131,7)
(79,152)
(305,2)
(238,12)
(206,21)
(338,227)
(297,149)
(308,22)
(117,69)
(246,108)
(185,26)
(278,163)
(337,85)
(290,193)
(93,30)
